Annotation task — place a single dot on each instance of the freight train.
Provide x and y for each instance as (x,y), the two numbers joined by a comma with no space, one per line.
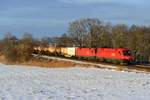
(118,55)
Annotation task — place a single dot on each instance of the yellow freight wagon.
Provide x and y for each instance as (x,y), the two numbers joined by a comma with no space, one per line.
(57,50)
(68,51)
(45,49)
(51,50)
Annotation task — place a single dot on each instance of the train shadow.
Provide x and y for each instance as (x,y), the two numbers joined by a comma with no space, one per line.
(144,63)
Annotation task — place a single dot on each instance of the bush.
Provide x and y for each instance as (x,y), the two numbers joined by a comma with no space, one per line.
(9,50)
(25,48)
(17,50)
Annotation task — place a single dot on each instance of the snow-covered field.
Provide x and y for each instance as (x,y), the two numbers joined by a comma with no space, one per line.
(25,83)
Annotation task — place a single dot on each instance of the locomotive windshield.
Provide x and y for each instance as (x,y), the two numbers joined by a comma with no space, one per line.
(127,52)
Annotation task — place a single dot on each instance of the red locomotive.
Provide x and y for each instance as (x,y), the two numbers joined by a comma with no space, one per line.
(121,55)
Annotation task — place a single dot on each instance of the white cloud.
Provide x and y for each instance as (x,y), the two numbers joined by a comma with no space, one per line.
(103,1)
(86,1)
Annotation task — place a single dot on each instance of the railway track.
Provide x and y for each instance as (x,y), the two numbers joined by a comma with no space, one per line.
(129,68)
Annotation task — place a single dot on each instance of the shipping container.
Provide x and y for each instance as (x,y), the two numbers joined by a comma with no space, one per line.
(68,51)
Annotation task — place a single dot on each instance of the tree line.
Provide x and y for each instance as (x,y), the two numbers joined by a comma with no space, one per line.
(95,33)
(88,32)
(16,50)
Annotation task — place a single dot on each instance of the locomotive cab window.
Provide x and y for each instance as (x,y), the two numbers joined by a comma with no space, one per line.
(127,52)
(95,50)
(119,52)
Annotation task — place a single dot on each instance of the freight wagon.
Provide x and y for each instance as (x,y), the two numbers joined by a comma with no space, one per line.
(85,53)
(51,50)
(68,51)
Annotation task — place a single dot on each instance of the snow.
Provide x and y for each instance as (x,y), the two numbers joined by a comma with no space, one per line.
(33,83)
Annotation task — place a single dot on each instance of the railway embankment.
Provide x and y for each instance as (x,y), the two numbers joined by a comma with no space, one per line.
(60,62)
(47,62)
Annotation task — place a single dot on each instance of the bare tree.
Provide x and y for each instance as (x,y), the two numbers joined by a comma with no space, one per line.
(65,41)
(25,47)
(84,31)
(119,35)
(9,49)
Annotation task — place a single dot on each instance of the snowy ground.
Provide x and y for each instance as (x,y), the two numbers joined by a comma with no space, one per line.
(24,83)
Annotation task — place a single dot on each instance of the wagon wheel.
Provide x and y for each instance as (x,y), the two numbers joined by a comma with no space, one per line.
(123,62)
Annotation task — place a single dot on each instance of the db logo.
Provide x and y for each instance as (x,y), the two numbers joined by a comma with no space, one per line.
(87,53)
(113,54)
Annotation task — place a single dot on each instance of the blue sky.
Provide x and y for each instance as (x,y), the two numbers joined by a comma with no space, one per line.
(52,17)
